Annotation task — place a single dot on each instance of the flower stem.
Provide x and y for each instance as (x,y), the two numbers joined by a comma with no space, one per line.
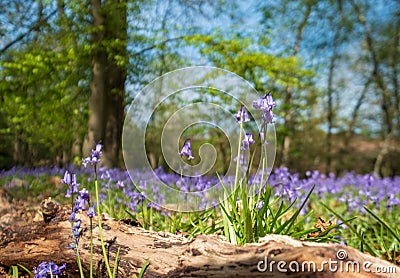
(99,224)
(78,260)
(238,153)
(91,247)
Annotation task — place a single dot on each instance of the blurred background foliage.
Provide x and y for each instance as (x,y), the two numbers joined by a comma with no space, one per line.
(69,70)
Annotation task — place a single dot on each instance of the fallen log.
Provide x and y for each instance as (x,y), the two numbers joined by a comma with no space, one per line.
(31,242)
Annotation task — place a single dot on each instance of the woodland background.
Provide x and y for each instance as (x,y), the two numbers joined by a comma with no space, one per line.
(69,70)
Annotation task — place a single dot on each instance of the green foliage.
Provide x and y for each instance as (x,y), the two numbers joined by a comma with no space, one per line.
(250,59)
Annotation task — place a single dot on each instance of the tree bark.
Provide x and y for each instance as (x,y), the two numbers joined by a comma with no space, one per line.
(116,32)
(27,240)
(97,99)
(106,103)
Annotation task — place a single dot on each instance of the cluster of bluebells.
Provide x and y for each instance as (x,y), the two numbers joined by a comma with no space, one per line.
(381,193)
(48,269)
(95,156)
(70,180)
(265,104)
(81,203)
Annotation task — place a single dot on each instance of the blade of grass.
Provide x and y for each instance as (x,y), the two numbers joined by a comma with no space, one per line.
(116,263)
(14,271)
(25,269)
(360,236)
(383,222)
(144,267)
(289,223)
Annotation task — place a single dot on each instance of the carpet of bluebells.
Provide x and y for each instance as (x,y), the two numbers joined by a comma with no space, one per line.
(351,190)
(345,196)
(348,194)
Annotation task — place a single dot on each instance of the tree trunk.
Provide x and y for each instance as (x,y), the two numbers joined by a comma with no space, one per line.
(97,100)
(106,103)
(28,240)
(330,92)
(376,74)
(116,32)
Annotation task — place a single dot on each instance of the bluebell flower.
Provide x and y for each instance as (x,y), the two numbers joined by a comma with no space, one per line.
(91,212)
(80,203)
(67,178)
(68,193)
(186,151)
(242,115)
(247,141)
(48,269)
(266,104)
(260,205)
(75,228)
(84,193)
(120,184)
(74,184)
(97,152)
(268,116)
(95,156)
(72,216)
(70,179)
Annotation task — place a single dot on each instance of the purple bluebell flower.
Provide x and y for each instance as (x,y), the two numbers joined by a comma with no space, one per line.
(84,193)
(67,178)
(74,184)
(48,269)
(247,141)
(75,229)
(72,216)
(186,151)
(242,115)
(120,184)
(80,204)
(68,193)
(266,104)
(95,156)
(70,179)
(97,152)
(91,212)
(268,116)
(260,205)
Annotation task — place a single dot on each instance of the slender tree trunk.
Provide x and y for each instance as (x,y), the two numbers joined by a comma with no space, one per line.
(288,123)
(330,90)
(395,73)
(380,82)
(354,115)
(106,103)
(116,32)
(40,18)
(97,100)
(377,74)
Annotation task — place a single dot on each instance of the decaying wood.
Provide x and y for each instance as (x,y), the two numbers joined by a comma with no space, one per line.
(31,242)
